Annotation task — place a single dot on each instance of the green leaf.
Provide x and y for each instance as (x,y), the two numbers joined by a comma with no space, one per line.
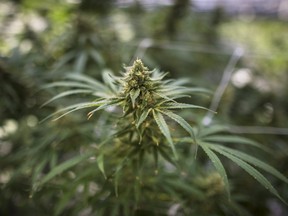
(65,59)
(39,168)
(66,93)
(76,107)
(157,75)
(100,162)
(167,99)
(164,129)
(180,96)
(155,156)
(63,167)
(87,79)
(182,106)
(205,131)
(175,90)
(177,82)
(117,176)
(53,160)
(165,155)
(218,165)
(104,106)
(96,57)
(109,80)
(185,188)
(199,90)
(134,95)
(251,170)
(180,121)
(70,84)
(64,200)
(81,62)
(72,108)
(233,139)
(254,161)
(143,117)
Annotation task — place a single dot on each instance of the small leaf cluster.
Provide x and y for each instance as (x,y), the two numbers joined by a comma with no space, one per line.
(145,98)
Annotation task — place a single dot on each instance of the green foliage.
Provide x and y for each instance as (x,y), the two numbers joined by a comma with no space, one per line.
(142,150)
(144,134)
(212,144)
(140,93)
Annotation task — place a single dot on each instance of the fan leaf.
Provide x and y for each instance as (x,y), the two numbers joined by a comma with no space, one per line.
(164,129)
(100,163)
(67,93)
(88,80)
(81,62)
(233,139)
(109,80)
(205,131)
(254,161)
(70,84)
(251,170)
(97,57)
(182,106)
(72,108)
(63,167)
(104,106)
(217,164)
(143,117)
(180,121)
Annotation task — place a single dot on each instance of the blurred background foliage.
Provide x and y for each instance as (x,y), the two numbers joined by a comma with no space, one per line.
(42,41)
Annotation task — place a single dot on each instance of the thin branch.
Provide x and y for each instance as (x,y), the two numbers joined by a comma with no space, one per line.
(237,54)
(141,49)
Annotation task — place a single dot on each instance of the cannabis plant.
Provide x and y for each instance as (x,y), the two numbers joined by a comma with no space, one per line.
(146,151)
